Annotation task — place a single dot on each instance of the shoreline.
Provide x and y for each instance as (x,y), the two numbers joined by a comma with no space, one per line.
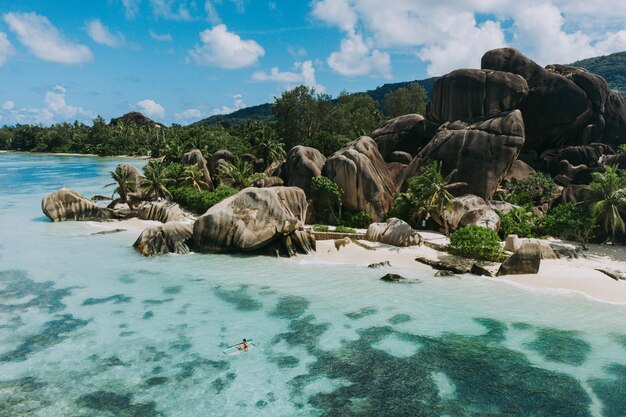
(561,276)
(75,154)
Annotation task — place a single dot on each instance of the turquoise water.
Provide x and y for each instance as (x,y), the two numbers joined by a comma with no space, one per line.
(90,328)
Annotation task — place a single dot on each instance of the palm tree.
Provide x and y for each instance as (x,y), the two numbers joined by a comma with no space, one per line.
(606,196)
(125,183)
(153,185)
(431,192)
(240,174)
(273,153)
(193,176)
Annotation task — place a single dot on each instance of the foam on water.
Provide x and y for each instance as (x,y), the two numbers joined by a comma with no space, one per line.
(89,327)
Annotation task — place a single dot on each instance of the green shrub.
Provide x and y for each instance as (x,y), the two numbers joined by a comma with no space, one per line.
(521,222)
(536,189)
(344,229)
(569,221)
(358,219)
(320,228)
(200,201)
(330,193)
(476,242)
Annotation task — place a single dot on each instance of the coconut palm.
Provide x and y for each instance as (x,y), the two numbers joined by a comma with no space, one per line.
(193,176)
(431,192)
(153,185)
(272,151)
(606,196)
(125,183)
(239,174)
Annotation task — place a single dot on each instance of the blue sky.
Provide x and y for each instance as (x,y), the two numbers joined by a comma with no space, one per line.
(178,61)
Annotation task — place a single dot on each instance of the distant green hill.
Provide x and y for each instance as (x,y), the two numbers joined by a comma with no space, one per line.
(611,67)
(264,111)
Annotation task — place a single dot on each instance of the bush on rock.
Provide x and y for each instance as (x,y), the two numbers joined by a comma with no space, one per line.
(476,242)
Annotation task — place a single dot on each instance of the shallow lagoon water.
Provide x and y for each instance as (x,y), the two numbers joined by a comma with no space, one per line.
(89,327)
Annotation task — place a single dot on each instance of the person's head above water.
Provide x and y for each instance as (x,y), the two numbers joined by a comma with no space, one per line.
(244,340)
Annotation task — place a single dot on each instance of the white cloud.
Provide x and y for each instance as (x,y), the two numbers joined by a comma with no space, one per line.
(224,49)
(465,48)
(171,9)
(166,37)
(44,40)
(211,13)
(296,52)
(304,74)
(131,8)
(337,13)
(151,108)
(102,35)
(6,50)
(354,58)
(55,109)
(189,115)
(238,103)
(614,42)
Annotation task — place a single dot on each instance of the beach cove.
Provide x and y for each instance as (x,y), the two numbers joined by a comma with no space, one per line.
(87,325)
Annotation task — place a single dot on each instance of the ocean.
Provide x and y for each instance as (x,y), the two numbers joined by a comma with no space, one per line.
(88,327)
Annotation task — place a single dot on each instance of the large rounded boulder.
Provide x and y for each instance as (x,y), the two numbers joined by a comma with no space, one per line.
(172,237)
(408,133)
(393,232)
(195,157)
(66,204)
(480,155)
(470,94)
(254,219)
(555,109)
(303,164)
(470,210)
(615,119)
(360,171)
(219,160)
(161,211)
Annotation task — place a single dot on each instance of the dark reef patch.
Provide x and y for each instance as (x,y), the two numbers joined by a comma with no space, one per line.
(157,302)
(220,384)
(284,361)
(364,312)
(399,319)
(23,397)
(621,339)
(189,368)
(117,299)
(238,298)
(16,285)
(156,380)
(148,315)
(560,346)
(612,392)
(53,332)
(127,279)
(119,405)
(519,325)
(290,307)
(488,378)
(176,289)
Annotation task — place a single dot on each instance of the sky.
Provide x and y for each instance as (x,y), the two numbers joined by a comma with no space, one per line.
(178,61)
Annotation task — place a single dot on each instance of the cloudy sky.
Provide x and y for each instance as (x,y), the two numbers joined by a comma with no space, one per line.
(178,61)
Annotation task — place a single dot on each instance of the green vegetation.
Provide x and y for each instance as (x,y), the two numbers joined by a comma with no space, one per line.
(428,194)
(200,201)
(193,177)
(537,189)
(570,221)
(154,184)
(124,183)
(520,221)
(611,67)
(239,175)
(606,196)
(320,228)
(330,194)
(477,243)
(405,100)
(359,219)
(344,229)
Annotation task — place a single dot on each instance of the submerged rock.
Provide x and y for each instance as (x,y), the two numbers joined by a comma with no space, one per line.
(393,232)
(172,237)
(379,264)
(390,277)
(253,219)
(66,204)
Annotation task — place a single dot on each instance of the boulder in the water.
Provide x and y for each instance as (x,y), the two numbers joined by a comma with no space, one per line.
(172,237)
(66,204)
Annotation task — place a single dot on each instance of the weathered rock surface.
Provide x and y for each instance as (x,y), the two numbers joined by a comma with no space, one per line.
(66,204)
(195,157)
(303,164)
(360,171)
(253,219)
(269,182)
(391,277)
(525,260)
(172,237)
(381,264)
(469,94)
(161,211)
(588,155)
(219,160)
(518,171)
(400,157)
(408,133)
(555,109)
(481,154)
(615,119)
(393,232)
(396,171)
(470,210)
(513,243)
